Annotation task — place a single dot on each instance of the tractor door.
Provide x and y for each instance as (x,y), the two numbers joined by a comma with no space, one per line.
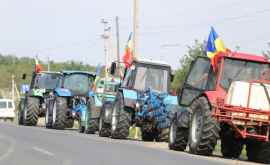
(199,79)
(128,81)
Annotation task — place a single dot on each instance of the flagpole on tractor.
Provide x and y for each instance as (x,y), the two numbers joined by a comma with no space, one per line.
(105,37)
(117,43)
(135,28)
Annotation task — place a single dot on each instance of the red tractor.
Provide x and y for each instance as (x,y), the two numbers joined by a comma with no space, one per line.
(229,101)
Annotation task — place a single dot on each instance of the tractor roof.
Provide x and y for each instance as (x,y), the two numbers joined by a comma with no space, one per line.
(65,72)
(152,62)
(50,72)
(245,56)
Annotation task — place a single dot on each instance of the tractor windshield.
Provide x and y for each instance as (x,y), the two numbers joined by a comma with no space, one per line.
(239,70)
(154,78)
(46,81)
(78,83)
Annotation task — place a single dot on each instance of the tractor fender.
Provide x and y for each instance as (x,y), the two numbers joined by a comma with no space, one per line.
(62,92)
(130,97)
(183,117)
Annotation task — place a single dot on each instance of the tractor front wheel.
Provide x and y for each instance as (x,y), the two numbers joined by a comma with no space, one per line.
(258,151)
(59,113)
(231,147)
(105,128)
(204,130)
(178,137)
(120,119)
(91,123)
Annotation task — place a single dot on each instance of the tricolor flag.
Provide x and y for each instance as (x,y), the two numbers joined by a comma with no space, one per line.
(214,46)
(38,67)
(127,58)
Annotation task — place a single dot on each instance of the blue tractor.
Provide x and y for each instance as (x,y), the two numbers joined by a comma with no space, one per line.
(73,99)
(142,100)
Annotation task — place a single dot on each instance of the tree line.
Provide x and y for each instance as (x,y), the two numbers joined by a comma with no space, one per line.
(17,66)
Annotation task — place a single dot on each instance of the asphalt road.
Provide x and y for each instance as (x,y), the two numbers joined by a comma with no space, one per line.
(21,145)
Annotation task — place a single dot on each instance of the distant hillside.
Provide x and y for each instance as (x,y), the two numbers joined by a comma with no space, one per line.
(10,64)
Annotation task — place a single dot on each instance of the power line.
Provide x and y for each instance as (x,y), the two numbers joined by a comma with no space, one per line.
(171,28)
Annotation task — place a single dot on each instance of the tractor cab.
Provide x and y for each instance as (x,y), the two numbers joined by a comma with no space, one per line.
(44,82)
(147,74)
(78,83)
(230,68)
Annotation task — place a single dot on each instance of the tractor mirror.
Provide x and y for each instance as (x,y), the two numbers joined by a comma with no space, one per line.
(24,76)
(113,68)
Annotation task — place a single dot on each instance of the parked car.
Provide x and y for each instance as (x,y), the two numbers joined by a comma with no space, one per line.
(7,109)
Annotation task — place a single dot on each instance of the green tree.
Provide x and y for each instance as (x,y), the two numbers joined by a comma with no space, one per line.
(10,64)
(193,51)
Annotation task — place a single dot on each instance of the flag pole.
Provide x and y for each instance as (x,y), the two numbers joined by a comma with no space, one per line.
(135,28)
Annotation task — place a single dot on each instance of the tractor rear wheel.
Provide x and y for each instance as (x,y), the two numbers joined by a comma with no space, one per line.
(204,130)
(59,113)
(120,119)
(20,111)
(31,111)
(178,137)
(105,128)
(231,147)
(91,123)
(258,151)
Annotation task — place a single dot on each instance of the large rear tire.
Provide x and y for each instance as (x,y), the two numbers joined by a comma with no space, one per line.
(91,123)
(178,137)
(20,111)
(59,112)
(231,147)
(204,130)
(105,128)
(120,119)
(31,111)
(258,151)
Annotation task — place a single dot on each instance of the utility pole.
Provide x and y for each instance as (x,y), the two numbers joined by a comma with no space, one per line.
(13,87)
(135,28)
(105,37)
(117,43)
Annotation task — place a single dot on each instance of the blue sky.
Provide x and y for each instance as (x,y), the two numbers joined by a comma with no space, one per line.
(70,29)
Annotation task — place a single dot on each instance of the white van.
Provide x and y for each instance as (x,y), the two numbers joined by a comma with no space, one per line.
(7,109)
